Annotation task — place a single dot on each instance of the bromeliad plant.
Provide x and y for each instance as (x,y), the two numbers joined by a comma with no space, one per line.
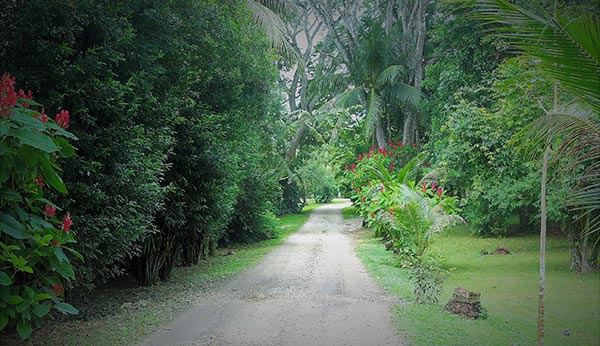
(34,232)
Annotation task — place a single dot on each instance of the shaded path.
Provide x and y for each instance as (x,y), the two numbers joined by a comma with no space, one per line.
(312,290)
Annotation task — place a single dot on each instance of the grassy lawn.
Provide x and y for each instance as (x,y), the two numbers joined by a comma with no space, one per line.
(509,292)
(124,313)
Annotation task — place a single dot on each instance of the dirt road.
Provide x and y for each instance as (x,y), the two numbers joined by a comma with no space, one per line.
(312,290)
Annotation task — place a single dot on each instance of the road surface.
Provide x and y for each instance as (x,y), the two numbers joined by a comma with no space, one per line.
(312,290)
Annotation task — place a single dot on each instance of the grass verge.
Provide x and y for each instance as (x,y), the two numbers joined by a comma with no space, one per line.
(123,313)
(350,212)
(509,292)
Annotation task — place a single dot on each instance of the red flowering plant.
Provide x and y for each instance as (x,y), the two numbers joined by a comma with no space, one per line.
(34,233)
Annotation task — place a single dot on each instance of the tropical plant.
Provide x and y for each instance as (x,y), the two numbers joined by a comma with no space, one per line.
(35,244)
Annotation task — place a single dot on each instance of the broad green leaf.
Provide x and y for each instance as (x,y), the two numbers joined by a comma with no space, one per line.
(52,178)
(42,296)
(29,120)
(12,227)
(10,313)
(3,129)
(29,292)
(5,279)
(24,329)
(26,269)
(14,300)
(66,149)
(23,306)
(60,255)
(35,139)
(65,269)
(60,131)
(3,321)
(66,308)
(9,195)
(40,310)
(74,252)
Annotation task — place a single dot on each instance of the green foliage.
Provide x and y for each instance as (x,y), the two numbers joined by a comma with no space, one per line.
(473,147)
(291,199)
(317,176)
(407,215)
(166,94)
(109,64)
(35,245)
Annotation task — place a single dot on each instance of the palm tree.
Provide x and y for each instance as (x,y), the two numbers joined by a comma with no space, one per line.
(568,50)
(377,74)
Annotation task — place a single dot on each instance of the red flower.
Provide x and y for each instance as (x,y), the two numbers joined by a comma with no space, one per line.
(57,289)
(369,183)
(372,215)
(414,145)
(360,157)
(55,242)
(363,199)
(391,211)
(392,166)
(381,189)
(62,119)
(372,148)
(66,223)
(49,210)
(399,144)
(440,191)
(424,187)
(390,143)
(44,117)
(358,190)
(22,95)
(369,155)
(40,181)
(384,152)
(8,97)
(353,167)
(433,185)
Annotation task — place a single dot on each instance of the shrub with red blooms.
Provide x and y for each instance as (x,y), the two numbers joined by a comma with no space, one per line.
(34,242)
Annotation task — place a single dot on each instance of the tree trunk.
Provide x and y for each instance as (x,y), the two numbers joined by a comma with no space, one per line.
(542,293)
(296,139)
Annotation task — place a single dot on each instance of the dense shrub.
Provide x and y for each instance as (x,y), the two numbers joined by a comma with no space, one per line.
(165,95)
(291,197)
(104,62)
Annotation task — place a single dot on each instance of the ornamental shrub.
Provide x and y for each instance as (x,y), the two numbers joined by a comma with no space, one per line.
(35,234)
(408,215)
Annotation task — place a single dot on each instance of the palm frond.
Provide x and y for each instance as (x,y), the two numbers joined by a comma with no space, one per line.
(390,75)
(372,111)
(275,28)
(401,92)
(350,97)
(568,49)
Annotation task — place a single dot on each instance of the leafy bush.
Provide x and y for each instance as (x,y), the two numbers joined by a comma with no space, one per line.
(34,241)
(408,215)
(291,197)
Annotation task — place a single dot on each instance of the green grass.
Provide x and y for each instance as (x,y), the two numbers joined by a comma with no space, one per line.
(509,292)
(149,308)
(350,212)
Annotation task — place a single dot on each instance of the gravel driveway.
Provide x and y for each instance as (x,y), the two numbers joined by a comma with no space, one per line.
(312,290)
